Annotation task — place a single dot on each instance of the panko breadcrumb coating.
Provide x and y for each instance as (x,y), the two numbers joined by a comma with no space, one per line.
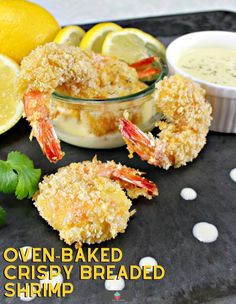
(77,73)
(73,72)
(183,132)
(86,203)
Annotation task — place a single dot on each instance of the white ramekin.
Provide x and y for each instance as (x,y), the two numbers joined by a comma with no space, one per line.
(222,98)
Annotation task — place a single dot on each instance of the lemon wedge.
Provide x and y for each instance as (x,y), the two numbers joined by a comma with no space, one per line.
(24,25)
(11,106)
(132,45)
(94,38)
(70,35)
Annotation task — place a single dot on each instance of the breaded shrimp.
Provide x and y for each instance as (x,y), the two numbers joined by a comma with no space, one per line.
(187,118)
(86,203)
(76,73)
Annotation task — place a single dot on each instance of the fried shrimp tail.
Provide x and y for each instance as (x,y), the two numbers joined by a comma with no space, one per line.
(183,131)
(89,202)
(132,180)
(37,113)
(129,179)
(143,144)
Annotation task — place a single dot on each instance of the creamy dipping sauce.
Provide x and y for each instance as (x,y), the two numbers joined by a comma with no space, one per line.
(27,250)
(54,280)
(215,65)
(148,261)
(232,174)
(205,232)
(116,284)
(188,194)
(24,297)
(76,132)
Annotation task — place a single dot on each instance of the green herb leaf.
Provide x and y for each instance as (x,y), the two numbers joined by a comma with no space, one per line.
(28,176)
(2,217)
(17,174)
(8,178)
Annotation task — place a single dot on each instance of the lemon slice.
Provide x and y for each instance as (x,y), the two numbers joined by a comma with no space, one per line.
(11,106)
(70,35)
(132,45)
(93,39)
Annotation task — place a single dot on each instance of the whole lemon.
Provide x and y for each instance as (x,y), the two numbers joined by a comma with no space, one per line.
(23,26)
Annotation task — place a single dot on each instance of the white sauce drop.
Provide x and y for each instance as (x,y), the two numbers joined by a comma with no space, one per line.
(25,298)
(188,194)
(53,281)
(24,251)
(232,174)
(115,284)
(148,261)
(205,232)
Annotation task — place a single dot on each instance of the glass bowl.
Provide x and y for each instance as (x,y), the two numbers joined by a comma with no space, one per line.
(95,123)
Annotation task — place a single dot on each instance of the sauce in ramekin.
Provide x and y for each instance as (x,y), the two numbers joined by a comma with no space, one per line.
(215,65)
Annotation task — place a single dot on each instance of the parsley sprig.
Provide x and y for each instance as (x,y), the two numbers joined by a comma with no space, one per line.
(18,175)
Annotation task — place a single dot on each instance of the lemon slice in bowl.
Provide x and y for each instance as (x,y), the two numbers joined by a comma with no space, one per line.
(10,104)
(70,35)
(132,45)
(94,38)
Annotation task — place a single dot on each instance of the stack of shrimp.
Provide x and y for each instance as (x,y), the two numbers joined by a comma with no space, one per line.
(76,73)
(86,202)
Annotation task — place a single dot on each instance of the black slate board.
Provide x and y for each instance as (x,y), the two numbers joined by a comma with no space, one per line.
(195,272)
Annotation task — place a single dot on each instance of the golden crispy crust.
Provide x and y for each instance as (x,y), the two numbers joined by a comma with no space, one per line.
(85,205)
(188,117)
(78,73)
(184,127)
